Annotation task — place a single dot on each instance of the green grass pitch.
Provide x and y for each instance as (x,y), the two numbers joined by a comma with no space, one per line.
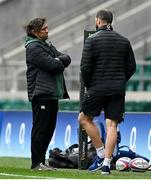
(19,168)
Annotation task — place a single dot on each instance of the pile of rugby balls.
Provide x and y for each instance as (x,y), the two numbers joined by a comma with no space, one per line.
(136,165)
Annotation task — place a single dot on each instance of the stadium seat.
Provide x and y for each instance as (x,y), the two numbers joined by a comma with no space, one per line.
(138,70)
(73,105)
(147,86)
(133,85)
(147,71)
(148,57)
(66,105)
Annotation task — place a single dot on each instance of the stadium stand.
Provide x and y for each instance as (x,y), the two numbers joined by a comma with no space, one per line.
(132,18)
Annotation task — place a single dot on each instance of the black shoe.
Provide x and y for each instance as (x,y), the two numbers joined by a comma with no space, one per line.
(105,170)
(42,167)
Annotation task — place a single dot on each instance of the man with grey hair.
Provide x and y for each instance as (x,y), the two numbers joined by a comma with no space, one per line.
(107,64)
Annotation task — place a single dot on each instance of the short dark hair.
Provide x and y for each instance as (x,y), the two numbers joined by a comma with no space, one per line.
(105,15)
(35,24)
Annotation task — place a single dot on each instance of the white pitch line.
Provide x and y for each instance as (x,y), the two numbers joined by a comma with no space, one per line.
(35,177)
(23,176)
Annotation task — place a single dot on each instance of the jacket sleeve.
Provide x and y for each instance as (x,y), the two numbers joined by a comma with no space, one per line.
(130,63)
(86,62)
(66,60)
(42,59)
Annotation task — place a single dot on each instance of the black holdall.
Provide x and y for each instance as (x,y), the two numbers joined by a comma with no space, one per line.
(69,157)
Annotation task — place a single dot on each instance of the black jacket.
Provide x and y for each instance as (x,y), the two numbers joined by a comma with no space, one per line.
(42,68)
(107,62)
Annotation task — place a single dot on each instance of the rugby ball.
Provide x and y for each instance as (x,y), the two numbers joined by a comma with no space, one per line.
(138,165)
(122,164)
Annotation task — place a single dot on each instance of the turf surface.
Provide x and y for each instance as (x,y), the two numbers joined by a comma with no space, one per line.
(18,168)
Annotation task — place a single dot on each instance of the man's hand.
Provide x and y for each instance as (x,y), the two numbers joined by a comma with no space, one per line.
(65,59)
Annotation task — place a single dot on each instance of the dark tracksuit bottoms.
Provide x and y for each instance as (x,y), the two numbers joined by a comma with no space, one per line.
(44,123)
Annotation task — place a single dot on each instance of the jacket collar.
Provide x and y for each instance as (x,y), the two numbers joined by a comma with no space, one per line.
(30,39)
(105,27)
